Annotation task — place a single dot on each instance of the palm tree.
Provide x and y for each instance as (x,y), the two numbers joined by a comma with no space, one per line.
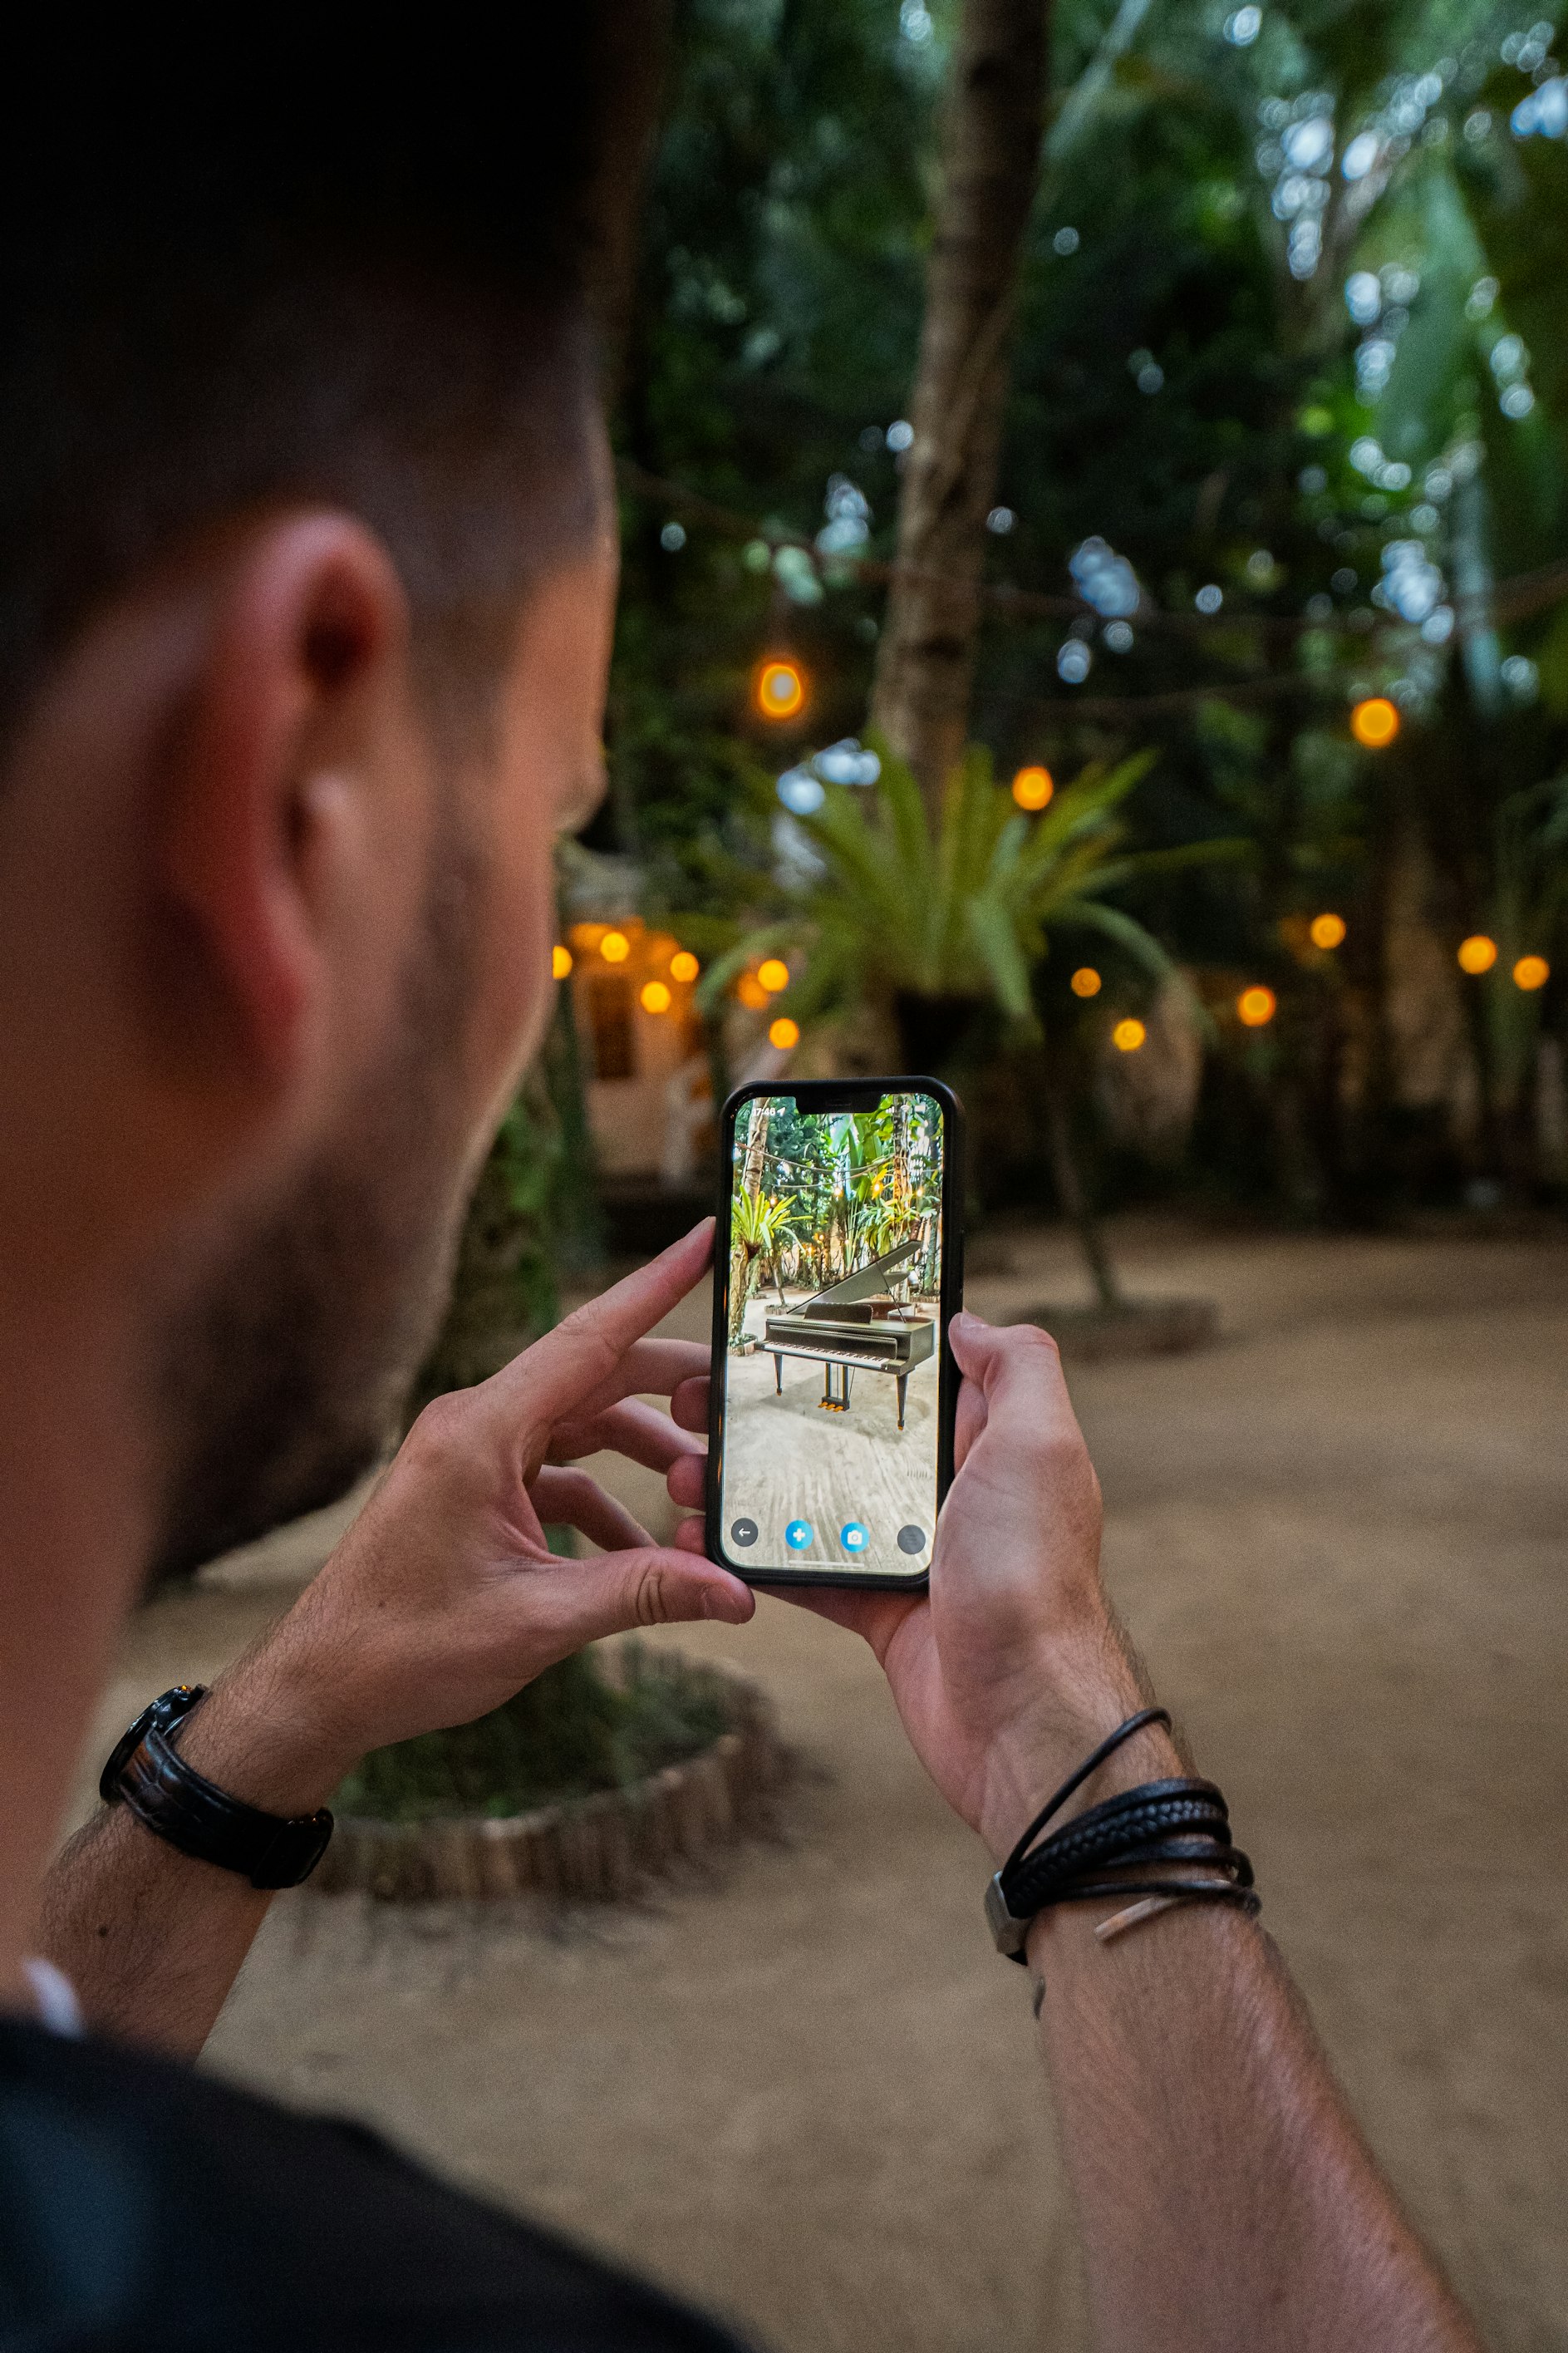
(759,1230)
(907,913)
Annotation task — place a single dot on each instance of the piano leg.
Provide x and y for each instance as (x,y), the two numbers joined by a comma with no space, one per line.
(778,1373)
(903,1382)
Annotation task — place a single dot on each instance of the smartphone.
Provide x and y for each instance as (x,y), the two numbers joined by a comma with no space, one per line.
(838,1266)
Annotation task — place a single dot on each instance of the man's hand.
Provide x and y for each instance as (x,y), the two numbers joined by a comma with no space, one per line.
(444,1597)
(1011,1667)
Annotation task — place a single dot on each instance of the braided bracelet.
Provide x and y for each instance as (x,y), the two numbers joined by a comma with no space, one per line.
(1178,1821)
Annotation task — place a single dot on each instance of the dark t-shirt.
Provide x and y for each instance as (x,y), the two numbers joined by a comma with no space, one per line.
(142,2205)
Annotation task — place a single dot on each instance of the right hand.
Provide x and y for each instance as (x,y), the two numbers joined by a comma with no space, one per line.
(1011,1666)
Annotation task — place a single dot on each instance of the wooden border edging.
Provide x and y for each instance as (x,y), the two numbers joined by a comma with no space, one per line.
(596,1849)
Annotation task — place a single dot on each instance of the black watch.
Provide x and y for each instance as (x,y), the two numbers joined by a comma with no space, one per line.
(146,1772)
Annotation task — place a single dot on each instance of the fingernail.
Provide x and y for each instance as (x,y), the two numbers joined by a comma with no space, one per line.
(732,1604)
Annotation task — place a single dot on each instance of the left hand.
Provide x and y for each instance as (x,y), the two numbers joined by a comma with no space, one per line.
(444,1599)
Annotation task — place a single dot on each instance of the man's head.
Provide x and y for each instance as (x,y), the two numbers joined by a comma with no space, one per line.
(303,622)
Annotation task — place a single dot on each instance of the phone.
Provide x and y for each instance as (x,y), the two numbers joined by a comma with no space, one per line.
(838,1266)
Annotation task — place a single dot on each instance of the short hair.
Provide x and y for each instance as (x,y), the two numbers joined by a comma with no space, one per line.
(341,268)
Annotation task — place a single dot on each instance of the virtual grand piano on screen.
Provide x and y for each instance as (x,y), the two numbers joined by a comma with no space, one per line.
(854,1326)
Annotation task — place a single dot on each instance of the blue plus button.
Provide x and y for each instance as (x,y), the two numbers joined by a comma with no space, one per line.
(797,1535)
(853,1536)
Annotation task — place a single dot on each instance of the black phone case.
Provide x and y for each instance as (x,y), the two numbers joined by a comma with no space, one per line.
(828,1096)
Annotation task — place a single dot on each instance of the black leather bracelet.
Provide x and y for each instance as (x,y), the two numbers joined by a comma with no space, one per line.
(146,1772)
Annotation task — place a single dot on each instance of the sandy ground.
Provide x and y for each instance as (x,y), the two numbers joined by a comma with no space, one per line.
(804,2091)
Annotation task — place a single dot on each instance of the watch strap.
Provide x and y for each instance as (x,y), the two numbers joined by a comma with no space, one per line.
(185,1810)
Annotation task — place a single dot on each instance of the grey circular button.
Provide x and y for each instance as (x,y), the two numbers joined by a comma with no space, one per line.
(911,1539)
(745,1532)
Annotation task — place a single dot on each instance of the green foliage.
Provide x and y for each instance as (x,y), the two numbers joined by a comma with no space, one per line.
(574,1730)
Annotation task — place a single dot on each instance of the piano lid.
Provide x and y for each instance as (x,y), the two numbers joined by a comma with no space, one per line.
(868,1283)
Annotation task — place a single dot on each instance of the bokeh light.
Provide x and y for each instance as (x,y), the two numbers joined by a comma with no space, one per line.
(1328,931)
(751,992)
(1128,1036)
(1477,954)
(1532,972)
(774,974)
(1256,1006)
(1033,787)
(1086,981)
(560,961)
(784,1033)
(615,947)
(1374,721)
(780,690)
(683,965)
(654,996)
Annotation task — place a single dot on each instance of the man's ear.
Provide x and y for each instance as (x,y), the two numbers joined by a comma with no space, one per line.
(298,700)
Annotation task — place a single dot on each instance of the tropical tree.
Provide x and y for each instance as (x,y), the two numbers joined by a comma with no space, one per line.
(760,1230)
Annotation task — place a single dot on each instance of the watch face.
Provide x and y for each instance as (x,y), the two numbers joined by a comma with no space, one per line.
(166,1709)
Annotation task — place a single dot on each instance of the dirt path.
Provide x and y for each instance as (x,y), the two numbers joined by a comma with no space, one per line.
(805,2093)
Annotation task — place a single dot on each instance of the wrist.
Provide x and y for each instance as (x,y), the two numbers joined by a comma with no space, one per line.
(1088,1692)
(266,1736)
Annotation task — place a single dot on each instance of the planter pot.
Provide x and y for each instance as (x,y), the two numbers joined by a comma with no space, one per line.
(596,1849)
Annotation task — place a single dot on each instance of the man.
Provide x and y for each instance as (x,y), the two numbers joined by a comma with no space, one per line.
(308,583)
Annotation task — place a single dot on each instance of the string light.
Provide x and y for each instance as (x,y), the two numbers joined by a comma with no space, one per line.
(1128,1036)
(654,996)
(784,1033)
(773,975)
(1374,721)
(1085,982)
(1477,954)
(560,961)
(780,690)
(1532,972)
(615,947)
(751,992)
(683,965)
(1256,1006)
(1033,787)
(1328,931)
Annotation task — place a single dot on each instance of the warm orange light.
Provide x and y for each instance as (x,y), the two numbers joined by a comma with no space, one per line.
(1128,1036)
(780,690)
(1032,787)
(1256,1006)
(784,1033)
(774,974)
(1328,931)
(1532,972)
(615,947)
(1085,982)
(751,992)
(560,961)
(1374,722)
(1477,954)
(683,965)
(654,996)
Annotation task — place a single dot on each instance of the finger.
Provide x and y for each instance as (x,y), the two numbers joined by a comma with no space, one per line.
(692,1535)
(616,1591)
(573,1499)
(1018,1371)
(875,1617)
(571,1362)
(648,1367)
(686,1480)
(688,1402)
(638,1431)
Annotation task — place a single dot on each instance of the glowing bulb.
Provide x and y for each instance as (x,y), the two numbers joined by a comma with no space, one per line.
(654,996)
(784,1033)
(1128,1036)
(780,690)
(1532,972)
(751,992)
(1256,1006)
(774,974)
(1328,931)
(1477,954)
(1085,982)
(560,961)
(1374,722)
(1033,787)
(683,965)
(615,947)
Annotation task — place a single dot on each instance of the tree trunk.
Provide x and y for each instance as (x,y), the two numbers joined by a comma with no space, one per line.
(989,168)
(1070,1189)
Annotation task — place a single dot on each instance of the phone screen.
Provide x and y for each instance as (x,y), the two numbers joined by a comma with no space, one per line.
(832,1359)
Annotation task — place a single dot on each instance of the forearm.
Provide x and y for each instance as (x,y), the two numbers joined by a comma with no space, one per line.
(152,1939)
(1225,2197)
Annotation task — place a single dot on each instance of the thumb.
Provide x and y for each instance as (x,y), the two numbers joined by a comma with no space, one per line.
(615,1592)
